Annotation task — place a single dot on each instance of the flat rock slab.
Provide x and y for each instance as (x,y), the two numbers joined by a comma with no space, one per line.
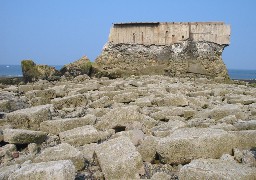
(22,136)
(62,152)
(120,117)
(60,125)
(70,101)
(216,169)
(6,171)
(54,170)
(29,118)
(119,159)
(186,144)
(80,136)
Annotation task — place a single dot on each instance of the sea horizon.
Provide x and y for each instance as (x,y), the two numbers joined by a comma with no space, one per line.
(7,70)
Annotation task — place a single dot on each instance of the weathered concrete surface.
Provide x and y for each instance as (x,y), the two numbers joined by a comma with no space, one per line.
(22,136)
(167,33)
(60,125)
(6,171)
(69,101)
(161,175)
(165,134)
(29,118)
(88,151)
(147,148)
(80,136)
(246,139)
(53,170)
(184,145)
(119,159)
(135,135)
(216,169)
(120,117)
(185,59)
(62,151)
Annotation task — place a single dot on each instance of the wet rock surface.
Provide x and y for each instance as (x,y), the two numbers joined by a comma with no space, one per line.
(140,127)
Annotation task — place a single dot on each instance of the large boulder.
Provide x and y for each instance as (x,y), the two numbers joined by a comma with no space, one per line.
(119,159)
(216,169)
(54,170)
(7,171)
(186,144)
(29,118)
(32,72)
(79,67)
(188,58)
(62,151)
(69,101)
(120,117)
(60,125)
(80,135)
(22,136)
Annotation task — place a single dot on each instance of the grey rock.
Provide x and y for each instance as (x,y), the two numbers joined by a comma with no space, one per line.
(69,101)
(125,97)
(54,170)
(216,169)
(171,100)
(119,159)
(29,118)
(120,117)
(135,135)
(80,135)
(161,175)
(88,151)
(101,103)
(62,151)
(246,125)
(147,148)
(184,145)
(22,136)
(6,171)
(59,125)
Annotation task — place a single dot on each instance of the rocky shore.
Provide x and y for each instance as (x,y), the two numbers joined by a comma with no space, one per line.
(139,127)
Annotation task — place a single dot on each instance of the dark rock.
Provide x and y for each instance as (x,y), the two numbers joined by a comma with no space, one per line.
(32,72)
(79,67)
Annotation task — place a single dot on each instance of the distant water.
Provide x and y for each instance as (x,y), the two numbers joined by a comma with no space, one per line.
(15,71)
(242,74)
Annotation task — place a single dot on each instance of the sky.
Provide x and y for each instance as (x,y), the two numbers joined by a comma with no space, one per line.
(58,32)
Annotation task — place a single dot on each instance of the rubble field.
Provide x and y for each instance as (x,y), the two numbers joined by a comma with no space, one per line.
(140,127)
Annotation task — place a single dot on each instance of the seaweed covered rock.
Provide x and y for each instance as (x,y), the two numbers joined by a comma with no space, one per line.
(79,67)
(33,72)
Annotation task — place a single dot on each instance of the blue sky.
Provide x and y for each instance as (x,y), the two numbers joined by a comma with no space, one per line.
(58,32)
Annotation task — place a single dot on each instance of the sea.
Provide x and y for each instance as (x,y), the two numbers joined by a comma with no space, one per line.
(15,71)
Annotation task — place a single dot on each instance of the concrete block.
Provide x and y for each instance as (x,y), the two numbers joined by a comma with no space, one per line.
(186,144)
(119,159)
(69,101)
(22,136)
(119,117)
(53,170)
(101,103)
(80,136)
(6,171)
(60,125)
(29,118)
(216,169)
(62,151)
